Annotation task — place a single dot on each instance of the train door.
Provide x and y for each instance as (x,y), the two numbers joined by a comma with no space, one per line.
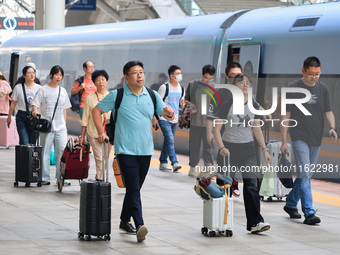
(248,55)
(13,71)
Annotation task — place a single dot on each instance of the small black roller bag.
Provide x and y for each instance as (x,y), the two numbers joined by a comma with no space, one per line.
(28,164)
(95,206)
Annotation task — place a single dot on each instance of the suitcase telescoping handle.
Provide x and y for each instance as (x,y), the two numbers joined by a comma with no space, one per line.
(105,159)
(228,169)
(266,130)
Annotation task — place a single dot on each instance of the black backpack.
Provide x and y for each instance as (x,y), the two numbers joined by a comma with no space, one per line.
(75,99)
(167,91)
(112,126)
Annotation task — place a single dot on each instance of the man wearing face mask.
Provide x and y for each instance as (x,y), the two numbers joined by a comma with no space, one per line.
(197,90)
(172,93)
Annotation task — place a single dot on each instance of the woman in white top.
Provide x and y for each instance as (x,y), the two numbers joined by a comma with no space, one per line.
(45,100)
(239,140)
(100,79)
(18,101)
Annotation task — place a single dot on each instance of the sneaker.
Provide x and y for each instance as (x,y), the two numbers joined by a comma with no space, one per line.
(45,183)
(164,166)
(192,172)
(142,231)
(235,190)
(293,212)
(127,227)
(67,183)
(259,227)
(312,219)
(176,167)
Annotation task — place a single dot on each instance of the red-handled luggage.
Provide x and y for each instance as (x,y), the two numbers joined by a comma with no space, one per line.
(74,163)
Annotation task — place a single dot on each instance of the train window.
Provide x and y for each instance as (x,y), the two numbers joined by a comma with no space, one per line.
(176,32)
(304,24)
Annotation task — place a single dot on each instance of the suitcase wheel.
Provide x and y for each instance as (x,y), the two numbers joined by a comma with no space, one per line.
(269,199)
(27,184)
(229,233)
(60,186)
(16,184)
(87,238)
(204,230)
(39,184)
(212,233)
(80,235)
(107,238)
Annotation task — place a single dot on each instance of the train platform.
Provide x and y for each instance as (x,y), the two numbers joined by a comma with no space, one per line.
(42,220)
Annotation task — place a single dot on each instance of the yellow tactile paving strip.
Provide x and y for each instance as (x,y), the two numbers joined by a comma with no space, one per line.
(327,199)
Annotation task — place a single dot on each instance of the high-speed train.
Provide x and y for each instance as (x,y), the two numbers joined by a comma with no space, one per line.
(270,43)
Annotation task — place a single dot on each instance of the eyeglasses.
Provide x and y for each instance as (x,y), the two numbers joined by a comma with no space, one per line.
(30,73)
(141,73)
(313,74)
(247,84)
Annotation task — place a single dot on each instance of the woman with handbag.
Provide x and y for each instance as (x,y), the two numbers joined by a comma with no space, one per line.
(238,139)
(23,105)
(100,79)
(52,101)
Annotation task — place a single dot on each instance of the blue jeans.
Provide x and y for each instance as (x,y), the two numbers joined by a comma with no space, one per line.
(24,129)
(304,157)
(134,170)
(59,139)
(168,149)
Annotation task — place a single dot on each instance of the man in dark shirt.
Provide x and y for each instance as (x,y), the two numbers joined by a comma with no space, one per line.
(306,137)
(193,94)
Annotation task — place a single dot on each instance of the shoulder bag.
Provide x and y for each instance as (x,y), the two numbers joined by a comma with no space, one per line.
(39,124)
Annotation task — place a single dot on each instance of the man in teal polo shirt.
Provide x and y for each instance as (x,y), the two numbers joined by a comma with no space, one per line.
(133,140)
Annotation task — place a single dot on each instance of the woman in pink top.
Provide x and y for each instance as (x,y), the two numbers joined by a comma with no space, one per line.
(5,90)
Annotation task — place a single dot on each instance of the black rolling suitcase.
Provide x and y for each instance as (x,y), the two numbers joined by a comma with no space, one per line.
(95,205)
(28,164)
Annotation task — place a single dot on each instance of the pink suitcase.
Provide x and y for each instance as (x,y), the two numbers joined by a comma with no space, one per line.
(9,136)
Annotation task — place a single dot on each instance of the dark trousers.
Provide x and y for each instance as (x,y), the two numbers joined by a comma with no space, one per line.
(134,170)
(241,158)
(197,135)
